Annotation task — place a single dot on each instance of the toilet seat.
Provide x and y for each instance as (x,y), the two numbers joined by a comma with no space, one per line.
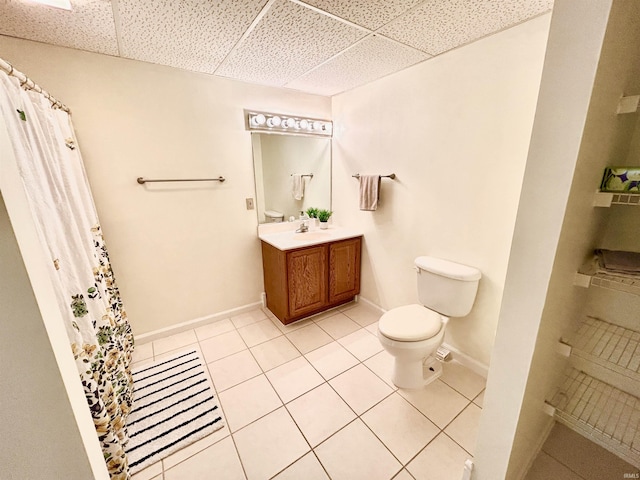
(410,323)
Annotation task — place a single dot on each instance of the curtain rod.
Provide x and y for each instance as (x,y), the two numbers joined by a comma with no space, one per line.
(29,84)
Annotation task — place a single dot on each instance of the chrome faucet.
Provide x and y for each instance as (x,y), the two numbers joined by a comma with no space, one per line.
(304,226)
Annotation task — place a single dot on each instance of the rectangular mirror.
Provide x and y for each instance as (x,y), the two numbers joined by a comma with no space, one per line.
(276,158)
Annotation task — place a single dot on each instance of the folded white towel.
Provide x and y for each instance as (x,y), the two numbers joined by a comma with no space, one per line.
(297,186)
(369,192)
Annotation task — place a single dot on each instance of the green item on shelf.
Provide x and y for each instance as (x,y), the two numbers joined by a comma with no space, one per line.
(621,179)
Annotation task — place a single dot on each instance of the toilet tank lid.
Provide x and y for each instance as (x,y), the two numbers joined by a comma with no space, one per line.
(273,213)
(448,269)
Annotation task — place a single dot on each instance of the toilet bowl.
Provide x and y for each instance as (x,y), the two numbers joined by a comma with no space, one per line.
(412,333)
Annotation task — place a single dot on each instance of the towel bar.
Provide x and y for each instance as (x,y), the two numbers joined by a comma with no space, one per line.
(142,181)
(305,175)
(392,176)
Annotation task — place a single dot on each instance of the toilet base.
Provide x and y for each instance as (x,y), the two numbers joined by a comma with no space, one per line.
(431,370)
(415,373)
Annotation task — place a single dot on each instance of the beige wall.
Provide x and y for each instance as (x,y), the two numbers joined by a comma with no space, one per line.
(179,251)
(455,130)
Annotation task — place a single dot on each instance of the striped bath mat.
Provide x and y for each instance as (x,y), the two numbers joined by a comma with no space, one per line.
(173,407)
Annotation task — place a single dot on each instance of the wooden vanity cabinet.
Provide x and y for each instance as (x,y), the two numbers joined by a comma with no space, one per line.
(308,280)
(344,270)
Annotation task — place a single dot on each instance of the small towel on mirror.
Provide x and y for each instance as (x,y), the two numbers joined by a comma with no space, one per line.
(369,192)
(297,186)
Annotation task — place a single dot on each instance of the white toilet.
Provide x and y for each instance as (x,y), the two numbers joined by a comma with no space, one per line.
(273,216)
(412,333)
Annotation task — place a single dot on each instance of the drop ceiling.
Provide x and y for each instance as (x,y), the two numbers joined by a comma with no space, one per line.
(316,46)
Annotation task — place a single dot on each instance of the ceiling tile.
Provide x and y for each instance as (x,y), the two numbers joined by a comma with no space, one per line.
(438,26)
(371,14)
(88,26)
(189,34)
(288,41)
(372,58)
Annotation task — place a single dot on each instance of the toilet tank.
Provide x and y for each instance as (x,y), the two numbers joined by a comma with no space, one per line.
(447,287)
(273,216)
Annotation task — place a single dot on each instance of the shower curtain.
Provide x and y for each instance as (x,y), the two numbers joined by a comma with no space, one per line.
(54,180)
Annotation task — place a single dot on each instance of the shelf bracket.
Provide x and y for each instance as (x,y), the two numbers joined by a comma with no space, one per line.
(628,104)
(602,199)
(563,349)
(582,280)
(549,409)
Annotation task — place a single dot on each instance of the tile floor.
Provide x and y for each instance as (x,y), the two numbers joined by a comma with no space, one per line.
(570,456)
(314,400)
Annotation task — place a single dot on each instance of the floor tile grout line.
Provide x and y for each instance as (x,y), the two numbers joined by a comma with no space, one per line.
(562,463)
(283,405)
(357,416)
(325,381)
(403,465)
(454,441)
(229,430)
(232,433)
(235,446)
(452,420)
(458,391)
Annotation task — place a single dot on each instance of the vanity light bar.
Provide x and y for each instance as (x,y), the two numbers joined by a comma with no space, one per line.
(62,4)
(274,122)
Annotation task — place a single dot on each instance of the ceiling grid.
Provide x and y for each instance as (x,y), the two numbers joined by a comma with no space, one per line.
(317,46)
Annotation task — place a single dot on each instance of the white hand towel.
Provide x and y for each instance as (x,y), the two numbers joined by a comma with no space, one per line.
(369,192)
(297,186)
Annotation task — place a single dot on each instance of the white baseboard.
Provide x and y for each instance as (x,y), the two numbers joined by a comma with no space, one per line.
(195,323)
(369,303)
(467,361)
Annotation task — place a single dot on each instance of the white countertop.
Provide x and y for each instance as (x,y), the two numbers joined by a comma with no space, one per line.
(283,238)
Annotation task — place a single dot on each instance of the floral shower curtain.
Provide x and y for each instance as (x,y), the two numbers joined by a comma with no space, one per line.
(60,199)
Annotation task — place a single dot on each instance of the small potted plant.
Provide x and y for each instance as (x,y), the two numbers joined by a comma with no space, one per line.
(323,217)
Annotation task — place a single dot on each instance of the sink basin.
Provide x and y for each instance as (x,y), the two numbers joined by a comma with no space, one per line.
(287,239)
(309,236)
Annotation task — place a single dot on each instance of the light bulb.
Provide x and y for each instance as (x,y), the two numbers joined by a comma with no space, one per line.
(317,125)
(276,120)
(63,4)
(260,119)
(304,124)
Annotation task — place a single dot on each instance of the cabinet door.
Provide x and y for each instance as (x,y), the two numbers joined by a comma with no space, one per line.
(307,273)
(344,270)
